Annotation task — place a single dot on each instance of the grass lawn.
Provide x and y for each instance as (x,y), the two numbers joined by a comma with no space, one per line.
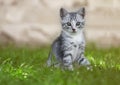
(24,66)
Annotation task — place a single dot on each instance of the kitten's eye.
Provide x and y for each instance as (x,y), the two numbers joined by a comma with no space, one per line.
(68,23)
(78,23)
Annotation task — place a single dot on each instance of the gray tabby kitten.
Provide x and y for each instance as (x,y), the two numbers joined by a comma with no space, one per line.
(70,45)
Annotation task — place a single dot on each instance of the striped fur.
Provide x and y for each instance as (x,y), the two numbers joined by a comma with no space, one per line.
(69,47)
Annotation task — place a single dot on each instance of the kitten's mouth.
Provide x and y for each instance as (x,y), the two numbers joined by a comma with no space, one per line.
(74,31)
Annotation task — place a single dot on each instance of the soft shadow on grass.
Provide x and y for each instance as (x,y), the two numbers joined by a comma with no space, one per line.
(26,66)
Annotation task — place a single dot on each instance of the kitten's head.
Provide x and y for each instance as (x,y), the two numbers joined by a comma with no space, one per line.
(72,22)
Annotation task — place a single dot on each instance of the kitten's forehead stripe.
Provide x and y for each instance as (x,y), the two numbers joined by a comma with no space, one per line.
(73,16)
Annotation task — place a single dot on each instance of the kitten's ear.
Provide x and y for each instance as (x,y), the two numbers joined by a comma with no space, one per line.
(81,12)
(63,12)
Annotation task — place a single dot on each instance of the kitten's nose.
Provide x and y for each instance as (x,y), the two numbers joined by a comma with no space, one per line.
(74,30)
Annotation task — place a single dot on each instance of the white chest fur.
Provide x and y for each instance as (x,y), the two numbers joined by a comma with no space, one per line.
(78,38)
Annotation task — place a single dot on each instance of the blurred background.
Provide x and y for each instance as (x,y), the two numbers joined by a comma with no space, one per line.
(37,22)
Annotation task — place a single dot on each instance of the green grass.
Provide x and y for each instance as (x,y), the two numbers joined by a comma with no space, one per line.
(24,66)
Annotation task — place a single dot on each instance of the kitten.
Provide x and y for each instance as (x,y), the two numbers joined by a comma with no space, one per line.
(69,47)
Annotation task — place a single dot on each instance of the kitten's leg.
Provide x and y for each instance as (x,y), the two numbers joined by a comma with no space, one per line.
(67,61)
(82,60)
(49,61)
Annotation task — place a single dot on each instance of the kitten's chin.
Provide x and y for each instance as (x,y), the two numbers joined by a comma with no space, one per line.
(74,31)
(70,33)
